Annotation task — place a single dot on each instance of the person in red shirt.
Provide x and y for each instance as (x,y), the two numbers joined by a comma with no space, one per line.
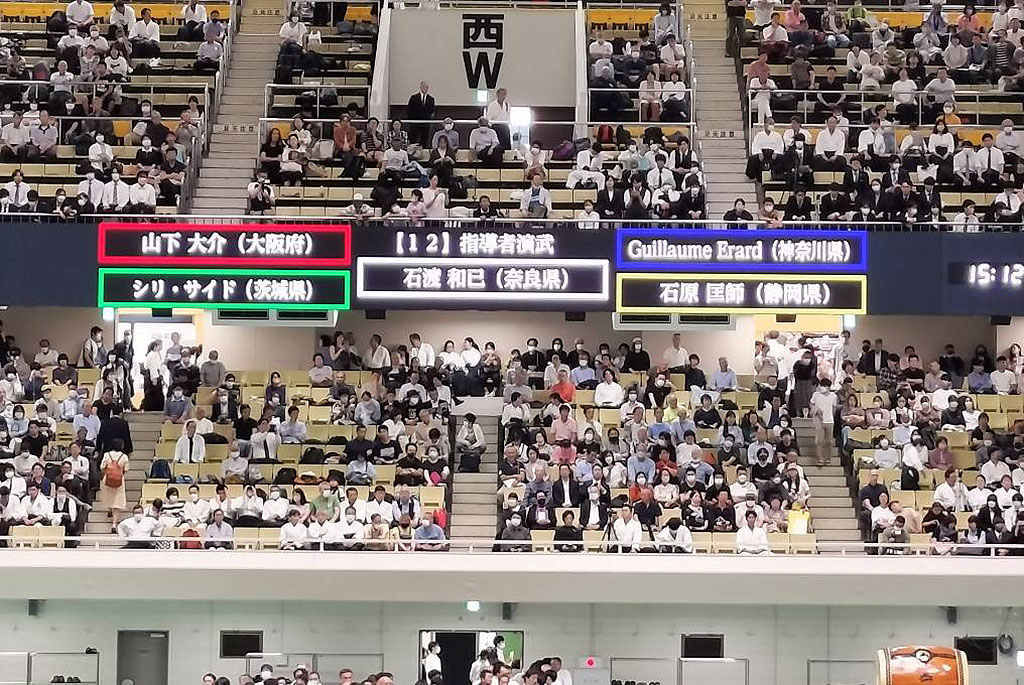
(564,387)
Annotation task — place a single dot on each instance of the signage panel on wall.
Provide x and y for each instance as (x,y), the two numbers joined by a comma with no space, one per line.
(731,293)
(790,251)
(236,245)
(517,269)
(291,289)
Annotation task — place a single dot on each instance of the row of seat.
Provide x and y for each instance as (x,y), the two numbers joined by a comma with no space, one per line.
(430,497)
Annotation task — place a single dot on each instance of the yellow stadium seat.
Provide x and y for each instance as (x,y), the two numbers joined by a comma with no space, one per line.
(803,543)
(778,542)
(247,538)
(542,540)
(702,542)
(723,543)
(51,536)
(25,536)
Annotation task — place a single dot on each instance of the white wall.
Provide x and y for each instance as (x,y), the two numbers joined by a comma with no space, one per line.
(777,640)
(247,347)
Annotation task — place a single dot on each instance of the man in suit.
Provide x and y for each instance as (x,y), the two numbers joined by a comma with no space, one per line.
(896,176)
(225,407)
(113,429)
(421,106)
(541,516)
(565,492)
(930,199)
(834,204)
(593,512)
(873,360)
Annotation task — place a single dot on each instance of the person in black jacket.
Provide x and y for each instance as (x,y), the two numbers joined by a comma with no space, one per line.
(541,516)
(637,359)
(896,176)
(569,532)
(594,512)
(565,492)
(856,181)
(609,201)
(692,202)
(113,429)
(421,106)
(738,213)
(834,205)
(799,207)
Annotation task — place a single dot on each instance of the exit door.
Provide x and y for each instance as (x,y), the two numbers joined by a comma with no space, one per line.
(142,657)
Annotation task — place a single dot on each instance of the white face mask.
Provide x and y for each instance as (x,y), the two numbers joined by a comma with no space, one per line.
(137,517)
(275,495)
(741,479)
(194,497)
(350,517)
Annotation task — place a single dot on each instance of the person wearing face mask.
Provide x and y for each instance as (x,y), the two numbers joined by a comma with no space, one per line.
(516,536)
(195,512)
(349,531)
(178,408)
(637,359)
(115,194)
(92,188)
(139,531)
(275,509)
(886,456)
(428,535)
(915,455)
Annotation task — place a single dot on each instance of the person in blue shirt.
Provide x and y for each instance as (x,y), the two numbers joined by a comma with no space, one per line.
(428,535)
(724,378)
(978,380)
(583,376)
(659,425)
(640,463)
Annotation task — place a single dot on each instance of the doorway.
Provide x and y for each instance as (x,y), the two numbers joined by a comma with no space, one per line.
(459,649)
(142,657)
(145,329)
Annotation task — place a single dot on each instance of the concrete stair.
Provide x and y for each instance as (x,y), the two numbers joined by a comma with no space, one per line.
(719,118)
(474,512)
(145,427)
(833,510)
(227,170)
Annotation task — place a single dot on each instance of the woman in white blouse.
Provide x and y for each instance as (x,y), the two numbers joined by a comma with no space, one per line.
(153,381)
(435,200)
(449,358)
(470,354)
(116,62)
(650,98)
(191,447)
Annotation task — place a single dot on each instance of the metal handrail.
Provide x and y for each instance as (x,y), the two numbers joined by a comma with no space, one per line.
(495,546)
(546,223)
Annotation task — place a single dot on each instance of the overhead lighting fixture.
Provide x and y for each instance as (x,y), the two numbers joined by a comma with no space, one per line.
(472,605)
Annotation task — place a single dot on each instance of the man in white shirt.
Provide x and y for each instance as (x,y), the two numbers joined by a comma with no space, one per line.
(139,530)
(293,534)
(751,538)
(422,351)
(92,187)
(292,431)
(1003,380)
(219,534)
(378,504)
(195,16)
(872,146)
(672,58)
(660,174)
(588,168)
(320,532)
(1010,142)
(498,113)
(941,89)
(562,674)
(764,148)
(989,161)
(275,509)
(377,357)
(348,532)
(675,355)
(995,468)
(145,36)
(122,15)
(115,193)
(823,407)
(952,493)
(264,442)
(17,191)
(14,139)
(536,201)
(829,147)
(142,196)
(760,94)
(627,531)
(965,164)
(600,47)
(80,14)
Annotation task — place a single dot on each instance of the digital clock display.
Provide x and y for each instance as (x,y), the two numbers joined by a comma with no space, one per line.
(987,275)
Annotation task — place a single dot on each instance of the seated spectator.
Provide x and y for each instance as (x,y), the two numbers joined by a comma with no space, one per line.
(219,534)
(209,55)
(485,145)
(428,535)
(144,36)
(536,202)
